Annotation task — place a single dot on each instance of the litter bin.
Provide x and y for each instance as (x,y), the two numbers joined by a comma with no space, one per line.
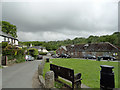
(47,59)
(107,78)
(98,58)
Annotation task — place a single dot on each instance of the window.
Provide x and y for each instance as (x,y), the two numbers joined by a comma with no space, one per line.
(75,53)
(71,53)
(4,38)
(62,52)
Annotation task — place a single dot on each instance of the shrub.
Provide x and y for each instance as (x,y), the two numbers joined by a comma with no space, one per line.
(12,54)
(7,52)
(33,52)
(20,60)
(4,44)
(10,57)
(42,53)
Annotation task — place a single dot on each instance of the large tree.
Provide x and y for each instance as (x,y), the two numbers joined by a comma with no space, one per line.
(9,28)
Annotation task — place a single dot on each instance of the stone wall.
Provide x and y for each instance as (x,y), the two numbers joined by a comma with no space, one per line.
(48,82)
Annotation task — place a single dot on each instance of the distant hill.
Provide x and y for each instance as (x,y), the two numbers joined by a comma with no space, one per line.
(53,45)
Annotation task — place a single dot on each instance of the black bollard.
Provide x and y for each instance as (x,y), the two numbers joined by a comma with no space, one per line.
(47,59)
(107,78)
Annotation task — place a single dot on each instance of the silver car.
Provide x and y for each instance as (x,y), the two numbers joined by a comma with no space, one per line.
(29,58)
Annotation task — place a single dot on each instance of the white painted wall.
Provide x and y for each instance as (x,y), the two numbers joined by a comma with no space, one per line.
(10,40)
(44,50)
(16,42)
(1,39)
(39,50)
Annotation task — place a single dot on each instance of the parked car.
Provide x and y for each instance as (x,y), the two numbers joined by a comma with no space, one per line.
(88,56)
(55,56)
(65,56)
(68,56)
(39,57)
(107,57)
(29,58)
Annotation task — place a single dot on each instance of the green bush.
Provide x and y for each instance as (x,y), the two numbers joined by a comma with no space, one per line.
(7,52)
(12,54)
(4,44)
(42,53)
(0,45)
(10,57)
(33,52)
(20,60)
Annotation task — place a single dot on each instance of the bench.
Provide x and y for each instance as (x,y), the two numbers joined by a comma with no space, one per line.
(67,74)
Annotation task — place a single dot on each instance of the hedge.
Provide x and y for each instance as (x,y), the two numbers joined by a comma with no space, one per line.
(42,53)
(33,52)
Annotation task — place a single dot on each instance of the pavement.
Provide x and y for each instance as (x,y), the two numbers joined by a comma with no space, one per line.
(19,75)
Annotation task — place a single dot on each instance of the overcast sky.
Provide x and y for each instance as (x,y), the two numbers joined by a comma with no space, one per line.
(47,20)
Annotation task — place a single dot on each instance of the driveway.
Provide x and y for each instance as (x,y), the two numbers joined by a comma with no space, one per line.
(19,75)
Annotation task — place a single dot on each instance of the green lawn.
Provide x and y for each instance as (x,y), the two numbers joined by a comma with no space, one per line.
(89,69)
(0,66)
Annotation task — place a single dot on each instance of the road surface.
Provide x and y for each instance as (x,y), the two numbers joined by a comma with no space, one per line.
(0,79)
(19,75)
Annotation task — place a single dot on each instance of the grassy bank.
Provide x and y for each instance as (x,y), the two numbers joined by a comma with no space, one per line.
(89,69)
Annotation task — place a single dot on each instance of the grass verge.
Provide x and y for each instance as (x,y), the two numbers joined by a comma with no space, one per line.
(0,66)
(90,69)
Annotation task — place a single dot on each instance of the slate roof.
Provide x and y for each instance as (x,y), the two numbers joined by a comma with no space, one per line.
(93,47)
(64,47)
(37,47)
(6,35)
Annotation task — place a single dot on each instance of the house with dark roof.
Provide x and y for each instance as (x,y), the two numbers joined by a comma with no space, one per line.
(8,38)
(97,49)
(40,48)
(62,50)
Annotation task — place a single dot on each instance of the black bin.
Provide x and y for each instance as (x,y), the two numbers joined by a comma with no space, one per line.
(107,78)
(47,59)
(98,58)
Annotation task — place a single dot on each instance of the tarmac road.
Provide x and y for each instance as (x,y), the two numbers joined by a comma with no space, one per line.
(19,75)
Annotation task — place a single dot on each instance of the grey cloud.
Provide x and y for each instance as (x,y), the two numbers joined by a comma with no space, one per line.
(64,19)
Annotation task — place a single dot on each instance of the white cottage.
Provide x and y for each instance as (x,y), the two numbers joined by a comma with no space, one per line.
(8,38)
(40,48)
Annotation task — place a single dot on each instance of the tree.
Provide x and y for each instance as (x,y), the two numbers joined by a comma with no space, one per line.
(4,44)
(9,28)
(33,52)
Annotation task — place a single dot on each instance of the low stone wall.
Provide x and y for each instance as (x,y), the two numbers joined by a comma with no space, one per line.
(49,79)
(48,82)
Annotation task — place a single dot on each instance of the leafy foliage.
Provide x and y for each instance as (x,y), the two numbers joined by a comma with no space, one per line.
(13,53)
(33,52)
(90,70)
(42,53)
(9,28)
(53,45)
(4,44)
